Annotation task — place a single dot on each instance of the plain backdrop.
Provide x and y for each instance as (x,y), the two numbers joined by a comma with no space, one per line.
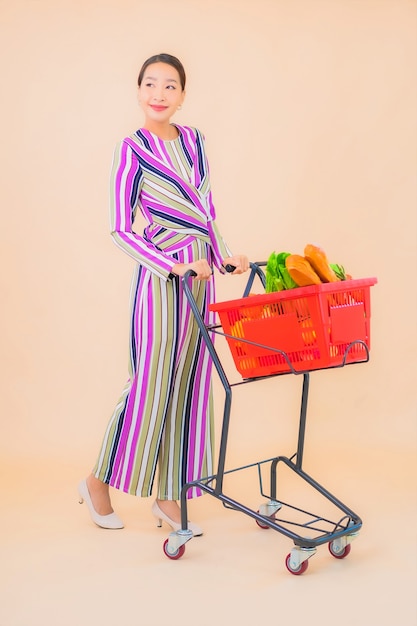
(309,112)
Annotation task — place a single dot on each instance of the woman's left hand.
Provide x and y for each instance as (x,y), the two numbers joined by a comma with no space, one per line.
(239,261)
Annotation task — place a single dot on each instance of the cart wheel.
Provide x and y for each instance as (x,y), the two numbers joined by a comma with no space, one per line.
(299,570)
(342,553)
(263,526)
(173,555)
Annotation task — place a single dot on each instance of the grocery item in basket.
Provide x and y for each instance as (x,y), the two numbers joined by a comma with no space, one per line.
(288,271)
(277,276)
(340,272)
(318,261)
(301,271)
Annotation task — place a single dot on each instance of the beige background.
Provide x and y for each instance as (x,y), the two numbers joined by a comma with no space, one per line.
(309,111)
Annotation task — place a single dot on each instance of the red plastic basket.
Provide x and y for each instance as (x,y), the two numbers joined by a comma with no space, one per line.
(313,326)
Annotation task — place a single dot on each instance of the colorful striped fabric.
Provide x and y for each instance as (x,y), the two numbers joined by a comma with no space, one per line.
(163,420)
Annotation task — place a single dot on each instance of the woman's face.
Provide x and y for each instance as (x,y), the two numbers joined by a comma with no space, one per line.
(160,93)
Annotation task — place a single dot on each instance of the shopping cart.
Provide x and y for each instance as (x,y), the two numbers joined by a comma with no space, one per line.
(289,332)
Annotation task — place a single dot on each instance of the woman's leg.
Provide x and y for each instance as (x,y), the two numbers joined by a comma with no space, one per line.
(171,509)
(99,494)
(128,456)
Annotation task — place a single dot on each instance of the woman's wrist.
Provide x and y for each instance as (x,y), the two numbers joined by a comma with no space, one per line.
(177,269)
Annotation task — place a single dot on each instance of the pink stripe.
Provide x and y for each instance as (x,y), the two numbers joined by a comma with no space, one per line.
(189,141)
(123,186)
(156,145)
(188,136)
(163,150)
(121,445)
(117,182)
(144,384)
(127,423)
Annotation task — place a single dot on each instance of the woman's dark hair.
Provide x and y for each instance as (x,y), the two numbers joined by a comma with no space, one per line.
(164,58)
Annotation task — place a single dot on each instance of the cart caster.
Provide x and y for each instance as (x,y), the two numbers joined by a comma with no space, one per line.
(297,560)
(340,548)
(268,510)
(339,551)
(176,554)
(297,571)
(261,525)
(174,546)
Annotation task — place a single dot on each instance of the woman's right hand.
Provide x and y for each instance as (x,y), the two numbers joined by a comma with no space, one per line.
(201,268)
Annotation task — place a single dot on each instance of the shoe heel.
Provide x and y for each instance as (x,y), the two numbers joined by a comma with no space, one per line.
(158,523)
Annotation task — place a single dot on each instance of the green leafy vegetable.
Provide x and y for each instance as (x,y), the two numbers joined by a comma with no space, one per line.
(276,274)
(339,270)
(273,281)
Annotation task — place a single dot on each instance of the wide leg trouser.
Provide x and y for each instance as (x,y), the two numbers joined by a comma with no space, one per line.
(164,418)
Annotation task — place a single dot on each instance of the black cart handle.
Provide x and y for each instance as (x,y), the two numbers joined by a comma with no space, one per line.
(255,270)
(229,269)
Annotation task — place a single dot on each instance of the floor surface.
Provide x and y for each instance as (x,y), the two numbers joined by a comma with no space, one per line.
(58,569)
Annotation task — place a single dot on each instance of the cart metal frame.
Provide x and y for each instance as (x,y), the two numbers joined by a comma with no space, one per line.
(338,534)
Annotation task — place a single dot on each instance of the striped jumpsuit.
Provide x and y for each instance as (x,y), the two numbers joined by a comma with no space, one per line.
(165,413)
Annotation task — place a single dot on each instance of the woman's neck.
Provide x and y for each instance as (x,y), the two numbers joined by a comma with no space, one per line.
(165,132)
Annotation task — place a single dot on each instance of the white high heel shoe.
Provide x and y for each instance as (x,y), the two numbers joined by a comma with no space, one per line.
(161,516)
(111,521)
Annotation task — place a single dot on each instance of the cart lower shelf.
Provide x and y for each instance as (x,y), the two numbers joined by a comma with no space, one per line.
(307,529)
